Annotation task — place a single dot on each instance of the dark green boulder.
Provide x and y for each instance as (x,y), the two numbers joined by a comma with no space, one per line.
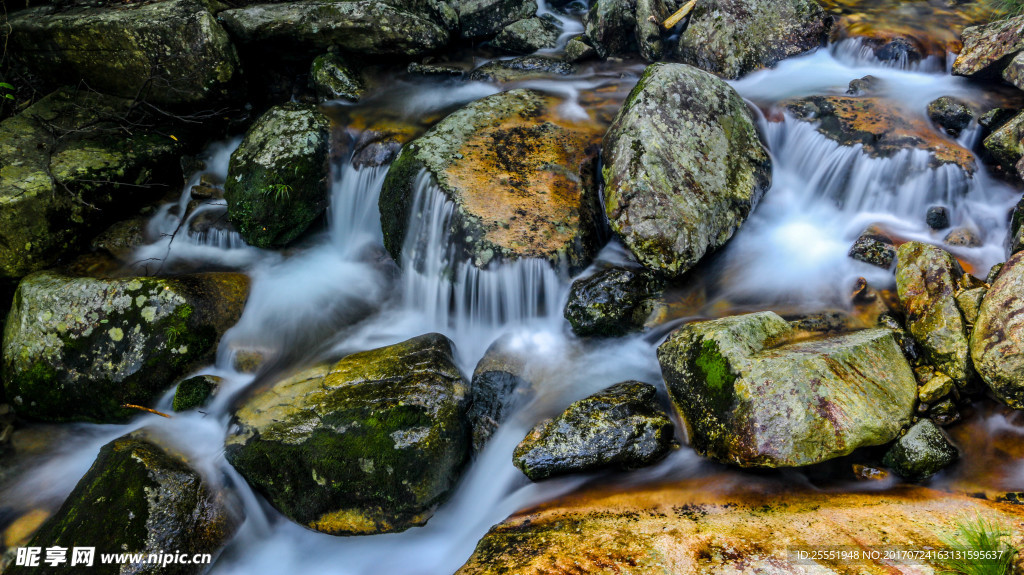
(923,451)
(612,302)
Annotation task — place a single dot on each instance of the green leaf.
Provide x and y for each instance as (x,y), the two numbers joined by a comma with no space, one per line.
(6,85)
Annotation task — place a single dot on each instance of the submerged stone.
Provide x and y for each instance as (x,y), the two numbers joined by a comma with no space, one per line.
(922,452)
(684,167)
(371,444)
(751,399)
(195,392)
(621,427)
(997,343)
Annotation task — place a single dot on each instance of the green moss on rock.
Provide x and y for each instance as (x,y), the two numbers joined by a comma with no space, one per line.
(997,343)
(194,392)
(922,452)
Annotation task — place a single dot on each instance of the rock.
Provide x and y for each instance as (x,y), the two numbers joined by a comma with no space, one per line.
(388,27)
(733,37)
(528,36)
(728,525)
(874,247)
(900,50)
(997,343)
(334,79)
(882,127)
(211,226)
(621,427)
(520,69)
(963,237)
(1015,237)
(486,17)
(921,453)
(522,181)
(375,148)
(649,16)
(121,239)
(195,392)
(499,386)
(938,386)
(611,27)
(831,321)
(750,401)
(140,498)
(951,114)
(989,48)
(435,70)
(944,413)
(277,178)
(70,167)
(80,348)
(165,52)
(612,302)
(908,346)
(371,444)
(578,49)
(867,85)
(937,218)
(1005,146)
(204,191)
(1014,71)
(995,118)
(684,167)
(926,281)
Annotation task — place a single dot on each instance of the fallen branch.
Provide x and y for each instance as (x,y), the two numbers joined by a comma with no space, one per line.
(683,12)
(140,408)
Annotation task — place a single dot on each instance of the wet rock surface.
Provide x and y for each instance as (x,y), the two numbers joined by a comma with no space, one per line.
(951,114)
(612,302)
(519,69)
(528,36)
(371,444)
(486,17)
(922,452)
(997,343)
(989,48)
(875,247)
(334,79)
(684,167)
(621,427)
(195,392)
(500,385)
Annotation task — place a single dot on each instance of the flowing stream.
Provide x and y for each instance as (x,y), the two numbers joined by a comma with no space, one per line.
(338,292)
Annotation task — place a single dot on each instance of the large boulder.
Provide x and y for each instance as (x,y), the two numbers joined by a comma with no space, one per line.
(388,27)
(277,178)
(684,167)
(733,37)
(371,444)
(927,281)
(621,427)
(139,498)
(988,49)
(520,178)
(753,400)
(997,343)
(69,165)
(165,52)
(486,17)
(81,348)
(725,524)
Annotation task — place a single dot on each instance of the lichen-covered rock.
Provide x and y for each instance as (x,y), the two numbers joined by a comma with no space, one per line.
(1005,145)
(927,282)
(195,392)
(371,444)
(277,178)
(963,237)
(621,427)
(733,37)
(578,49)
(1015,235)
(726,525)
(520,69)
(750,401)
(874,247)
(521,178)
(611,27)
(499,386)
(1014,71)
(166,52)
(951,114)
(486,17)
(938,386)
(68,167)
(529,35)
(649,16)
(139,498)
(684,167)
(379,27)
(922,452)
(334,79)
(881,127)
(612,302)
(81,348)
(989,48)
(997,343)
(969,302)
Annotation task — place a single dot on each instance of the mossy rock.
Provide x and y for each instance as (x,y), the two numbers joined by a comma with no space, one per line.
(873,246)
(951,114)
(194,392)
(277,178)
(479,18)
(522,69)
(753,398)
(139,498)
(922,452)
(733,37)
(371,444)
(1005,145)
(521,179)
(989,49)
(621,427)
(997,343)
(78,349)
(927,281)
(334,79)
(684,167)
(388,27)
(529,35)
(68,167)
(610,26)
(612,302)
(166,52)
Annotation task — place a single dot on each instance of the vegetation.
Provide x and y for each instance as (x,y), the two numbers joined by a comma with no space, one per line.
(976,535)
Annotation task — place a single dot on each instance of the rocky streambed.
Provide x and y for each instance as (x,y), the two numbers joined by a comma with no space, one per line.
(489,286)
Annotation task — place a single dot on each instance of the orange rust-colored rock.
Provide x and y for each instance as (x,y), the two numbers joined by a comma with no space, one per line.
(725,524)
